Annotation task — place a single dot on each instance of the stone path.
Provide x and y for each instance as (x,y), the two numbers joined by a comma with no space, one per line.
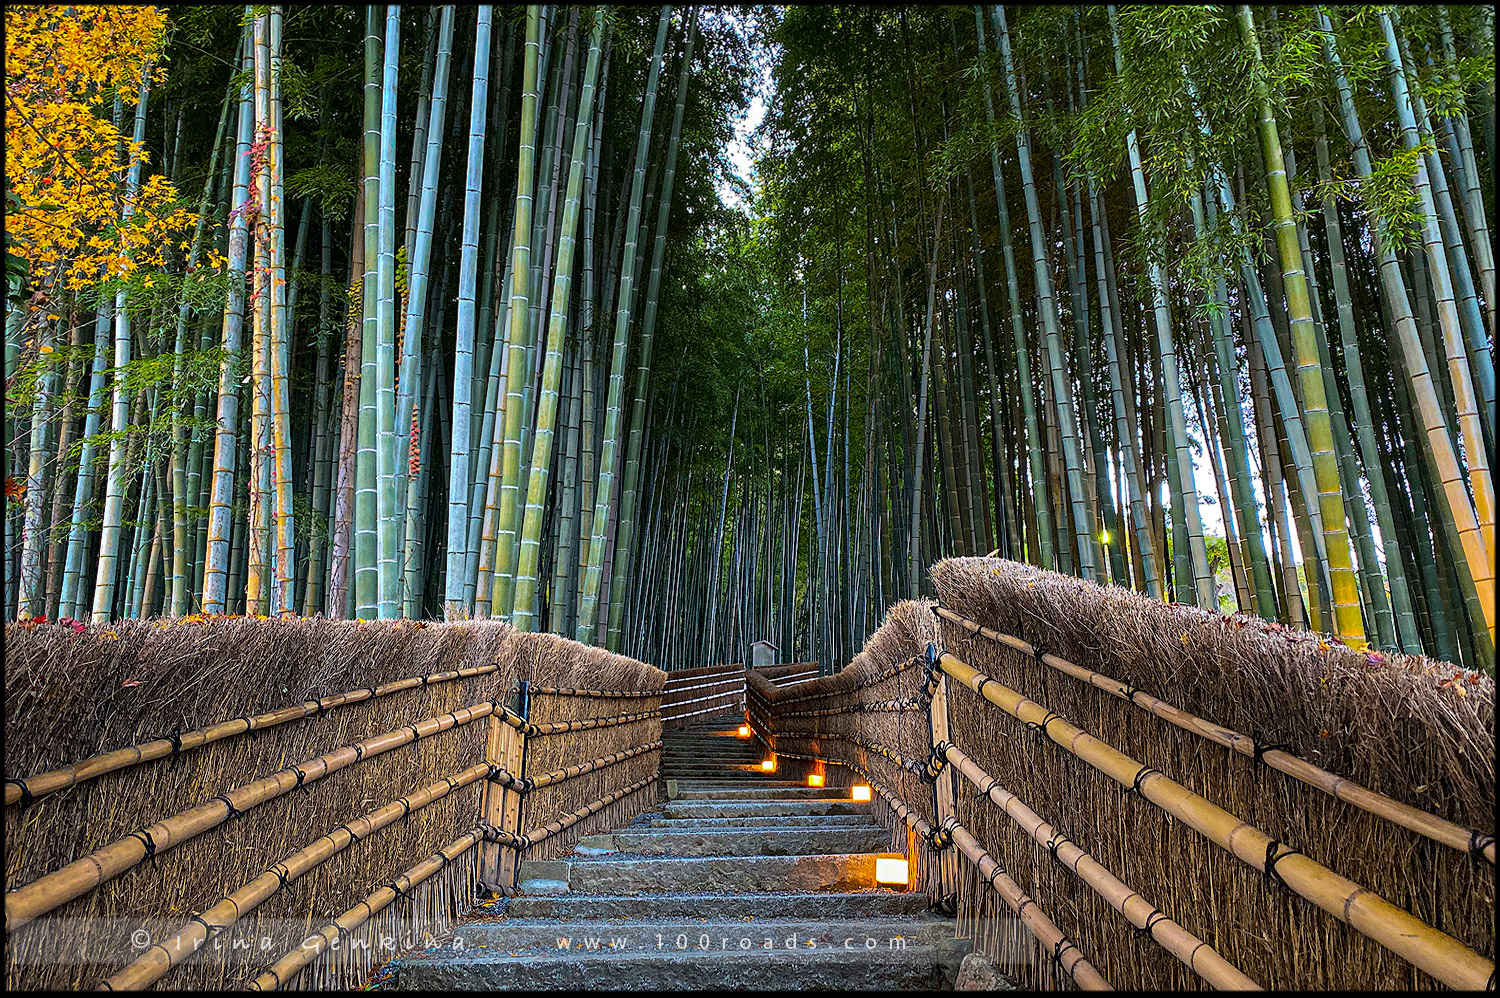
(740,881)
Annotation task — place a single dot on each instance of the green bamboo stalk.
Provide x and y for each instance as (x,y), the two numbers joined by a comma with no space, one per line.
(217,560)
(463,372)
(366,573)
(1180,459)
(536,492)
(624,540)
(502,585)
(114,495)
(1465,402)
(419,256)
(387,540)
(1345,588)
(1046,306)
(588,607)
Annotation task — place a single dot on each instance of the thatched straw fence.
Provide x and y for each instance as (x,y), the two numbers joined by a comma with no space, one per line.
(1152,796)
(231,802)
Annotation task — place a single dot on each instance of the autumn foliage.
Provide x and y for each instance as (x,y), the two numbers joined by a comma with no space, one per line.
(65,160)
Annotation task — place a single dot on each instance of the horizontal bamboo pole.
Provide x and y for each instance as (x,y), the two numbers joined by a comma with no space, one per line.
(290,964)
(668,707)
(1378,804)
(1201,958)
(41,784)
(914,819)
(1038,924)
(154,964)
(1435,952)
(911,765)
(572,772)
(83,875)
(564,691)
(716,707)
(909,703)
(875,680)
(585,724)
(560,824)
(674,694)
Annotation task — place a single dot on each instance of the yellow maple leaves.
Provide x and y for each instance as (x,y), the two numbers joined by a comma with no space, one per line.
(65,159)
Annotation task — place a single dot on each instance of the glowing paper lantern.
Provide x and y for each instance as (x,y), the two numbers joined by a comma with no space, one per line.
(860,793)
(891,870)
(744,731)
(768,764)
(815,780)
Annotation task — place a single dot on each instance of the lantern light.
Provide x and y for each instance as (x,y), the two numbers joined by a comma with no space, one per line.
(815,780)
(860,793)
(768,764)
(891,870)
(744,731)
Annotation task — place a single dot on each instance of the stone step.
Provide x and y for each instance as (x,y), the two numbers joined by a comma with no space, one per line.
(758,809)
(850,904)
(734,874)
(738,841)
(763,821)
(543,936)
(913,968)
(884,953)
(755,793)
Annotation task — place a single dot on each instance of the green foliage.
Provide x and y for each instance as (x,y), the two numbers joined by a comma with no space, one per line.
(1389,195)
(332,187)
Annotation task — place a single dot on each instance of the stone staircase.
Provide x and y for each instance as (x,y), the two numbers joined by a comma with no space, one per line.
(740,881)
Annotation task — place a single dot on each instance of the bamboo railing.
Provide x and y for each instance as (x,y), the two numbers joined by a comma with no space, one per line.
(893,724)
(690,693)
(555,761)
(1455,836)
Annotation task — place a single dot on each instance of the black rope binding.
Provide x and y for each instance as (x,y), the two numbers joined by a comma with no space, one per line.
(935,763)
(147,841)
(209,931)
(1135,786)
(175,737)
(985,790)
(301,780)
(1273,857)
(234,812)
(1153,919)
(1263,746)
(1060,947)
(26,795)
(1055,844)
(1478,843)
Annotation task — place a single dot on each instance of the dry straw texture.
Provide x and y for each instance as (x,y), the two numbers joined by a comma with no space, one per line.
(70,696)
(1395,724)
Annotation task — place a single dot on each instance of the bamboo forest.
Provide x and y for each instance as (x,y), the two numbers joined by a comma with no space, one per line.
(669,330)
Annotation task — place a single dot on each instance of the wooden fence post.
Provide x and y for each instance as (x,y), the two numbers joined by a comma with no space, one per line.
(501,805)
(942,787)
